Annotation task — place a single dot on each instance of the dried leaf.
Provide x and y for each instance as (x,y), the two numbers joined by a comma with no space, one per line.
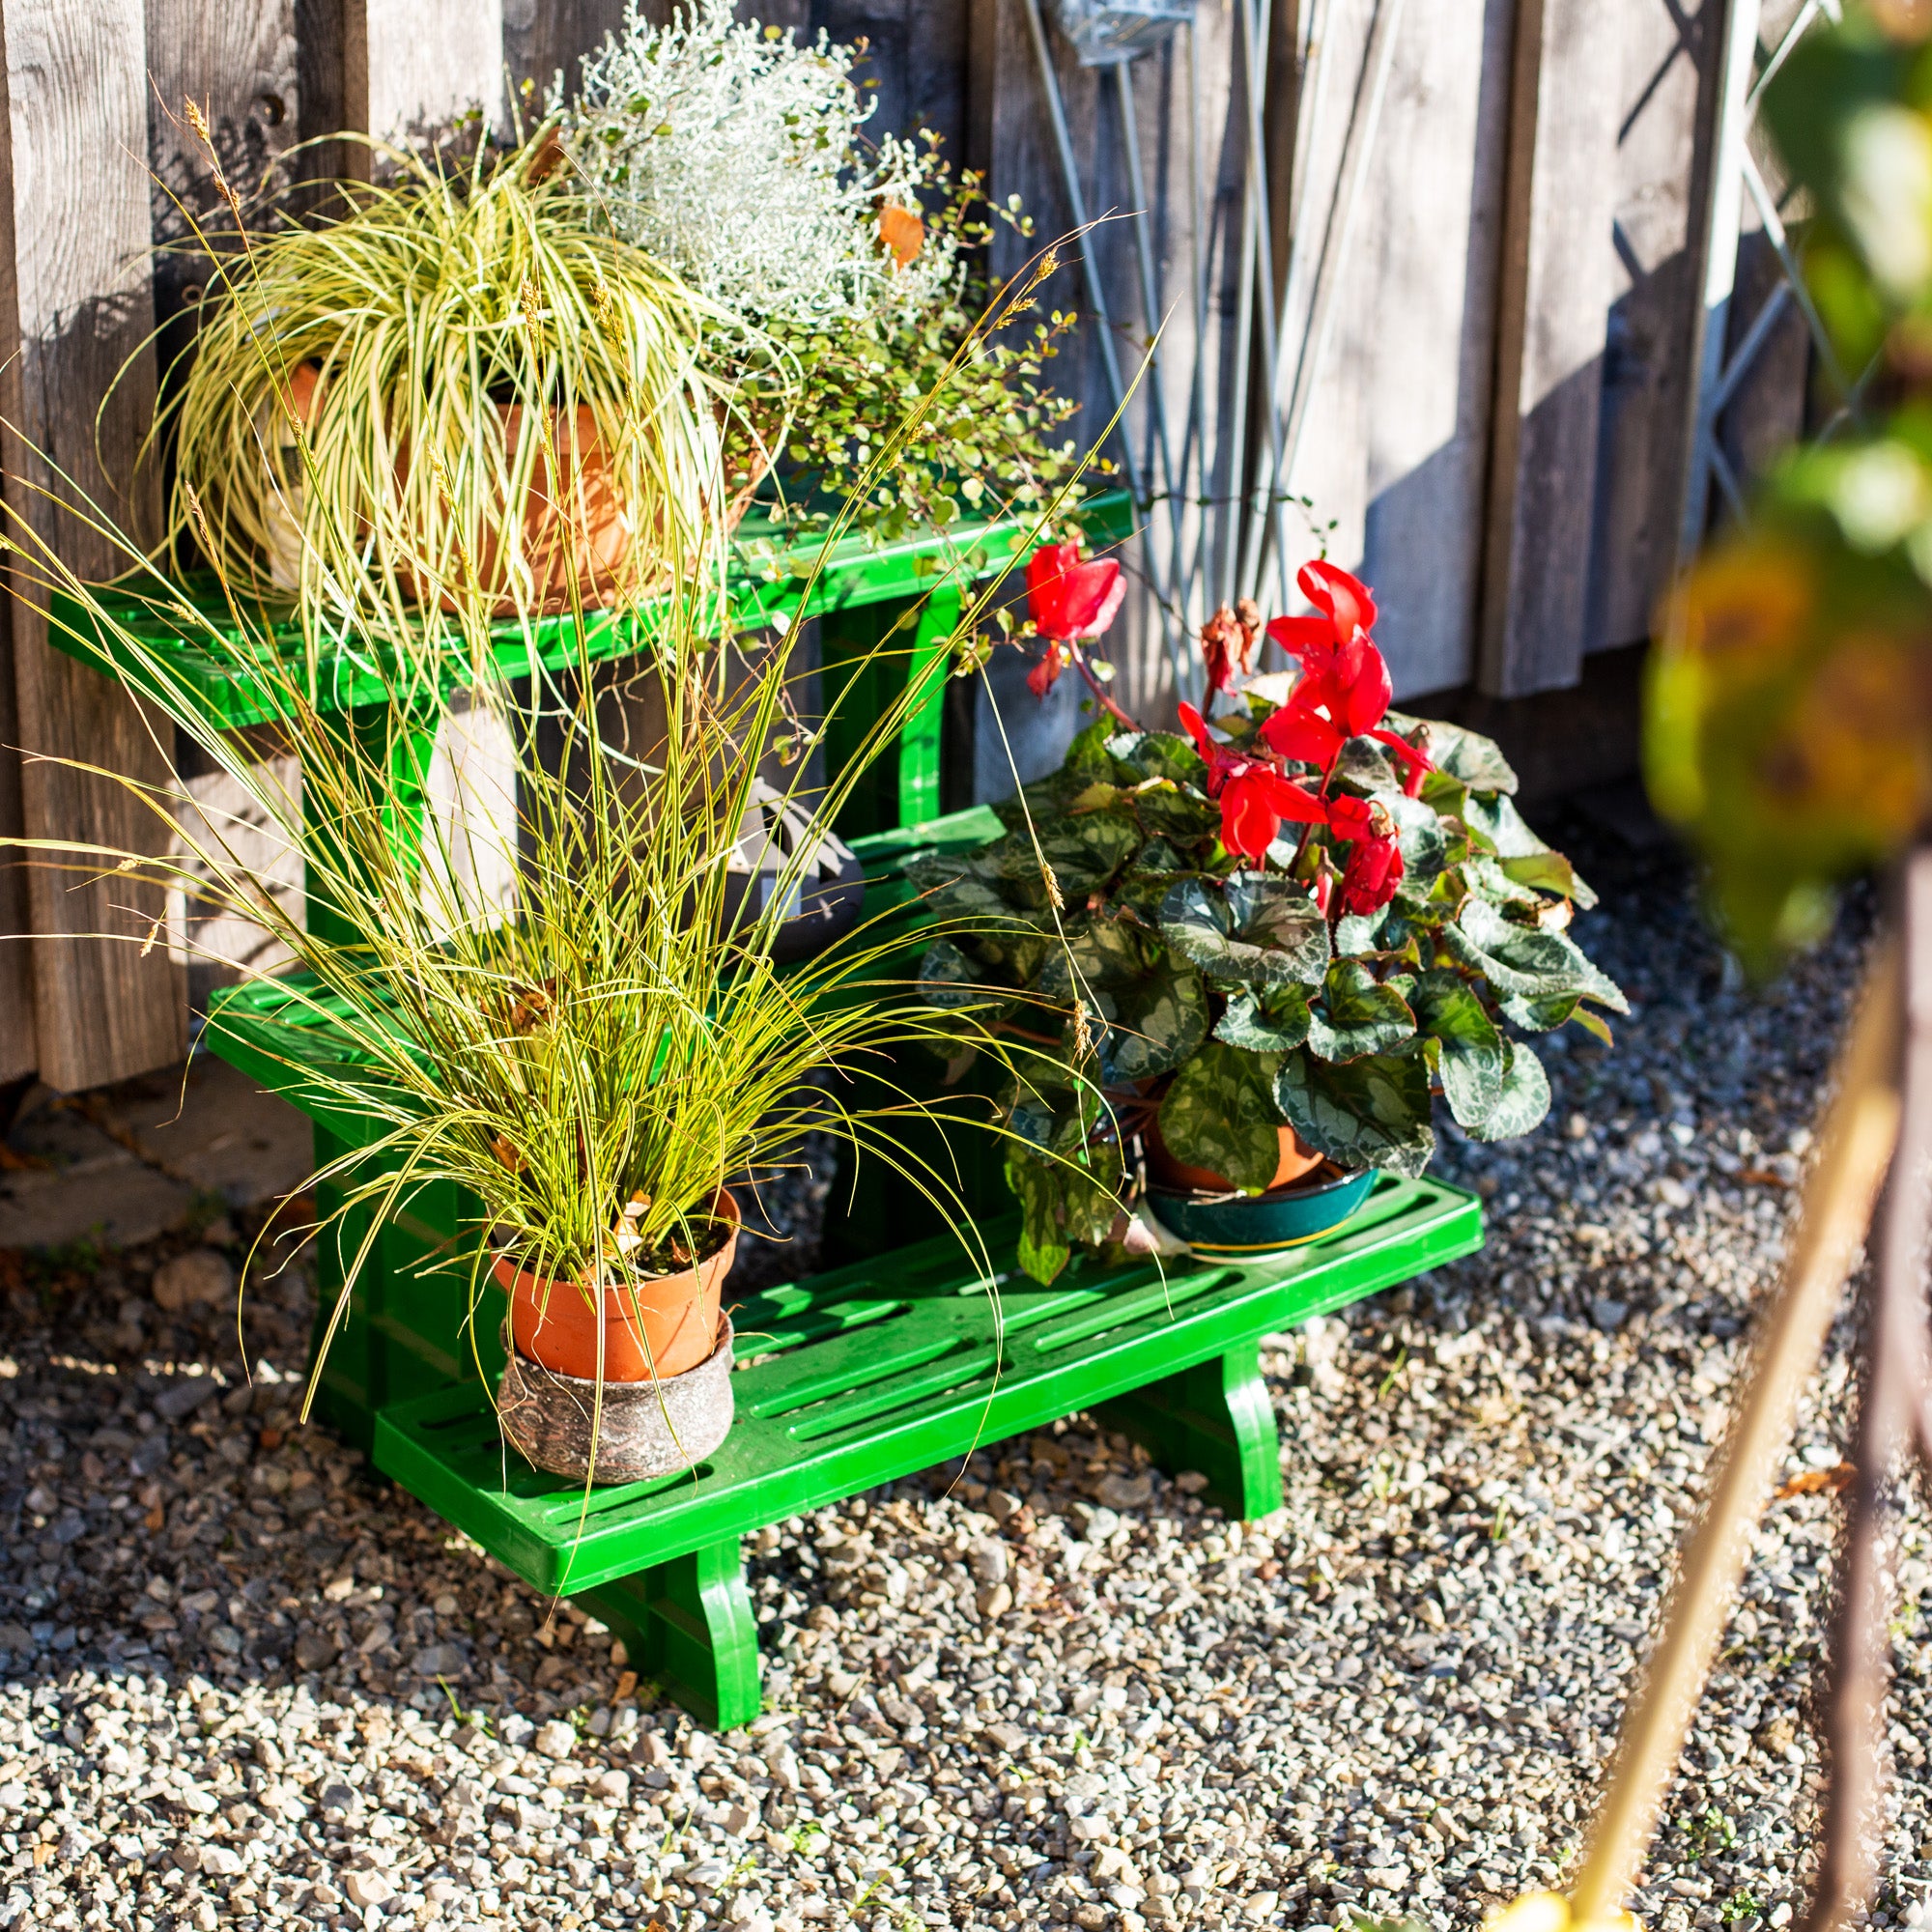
(1810,1480)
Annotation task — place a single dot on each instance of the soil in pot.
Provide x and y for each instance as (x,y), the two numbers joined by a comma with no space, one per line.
(661,1325)
(642,1429)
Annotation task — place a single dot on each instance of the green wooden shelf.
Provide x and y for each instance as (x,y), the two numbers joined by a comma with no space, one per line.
(879,1370)
(772,580)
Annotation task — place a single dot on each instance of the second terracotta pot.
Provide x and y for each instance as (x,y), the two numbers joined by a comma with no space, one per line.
(1297,1158)
(660,1326)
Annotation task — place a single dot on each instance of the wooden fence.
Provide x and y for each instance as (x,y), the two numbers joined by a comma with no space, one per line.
(1497,434)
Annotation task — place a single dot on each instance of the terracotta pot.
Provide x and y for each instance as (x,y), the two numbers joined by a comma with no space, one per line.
(1297,1158)
(666,1325)
(589,538)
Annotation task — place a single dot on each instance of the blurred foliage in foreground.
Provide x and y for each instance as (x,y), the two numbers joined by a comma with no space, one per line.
(1790,706)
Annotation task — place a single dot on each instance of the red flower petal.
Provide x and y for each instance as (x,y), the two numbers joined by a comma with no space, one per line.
(1345,598)
(1046,674)
(1067,599)
(1294,733)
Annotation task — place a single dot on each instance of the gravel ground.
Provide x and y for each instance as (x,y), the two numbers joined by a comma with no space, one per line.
(1056,1691)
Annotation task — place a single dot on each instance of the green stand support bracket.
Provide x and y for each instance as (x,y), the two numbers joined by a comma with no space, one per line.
(1214,1417)
(689,1623)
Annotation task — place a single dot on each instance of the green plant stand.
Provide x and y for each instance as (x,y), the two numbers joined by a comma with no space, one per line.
(895,1362)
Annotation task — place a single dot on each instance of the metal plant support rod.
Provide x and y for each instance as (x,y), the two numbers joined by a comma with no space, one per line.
(1311,96)
(1199,253)
(1238,414)
(1170,478)
(1110,361)
(1253,20)
(1378,63)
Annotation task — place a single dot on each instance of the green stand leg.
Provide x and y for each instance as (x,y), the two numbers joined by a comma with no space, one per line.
(1216,1417)
(689,1623)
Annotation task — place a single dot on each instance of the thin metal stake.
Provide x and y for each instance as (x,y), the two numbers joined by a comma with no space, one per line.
(1378,63)
(1089,263)
(1177,510)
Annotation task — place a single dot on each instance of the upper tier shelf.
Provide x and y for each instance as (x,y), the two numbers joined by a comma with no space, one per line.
(175,624)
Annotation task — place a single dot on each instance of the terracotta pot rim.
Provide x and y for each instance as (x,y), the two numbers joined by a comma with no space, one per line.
(724,1207)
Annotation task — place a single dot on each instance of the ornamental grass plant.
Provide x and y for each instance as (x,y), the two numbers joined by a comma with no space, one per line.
(355,421)
(589,1069)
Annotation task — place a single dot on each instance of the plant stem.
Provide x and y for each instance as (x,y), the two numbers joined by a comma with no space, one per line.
(1099,691)
(1856,1140)
(1893,1397)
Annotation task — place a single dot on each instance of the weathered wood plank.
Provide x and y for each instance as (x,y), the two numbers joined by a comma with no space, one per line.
(542,39)
(1663,156)
(396,67)
(79,307)
(1398,435)
(1555,294)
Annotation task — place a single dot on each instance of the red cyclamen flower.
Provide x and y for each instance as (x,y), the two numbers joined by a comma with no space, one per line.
(1255,798)
(1375,867)
(1345,687)
(1070,601)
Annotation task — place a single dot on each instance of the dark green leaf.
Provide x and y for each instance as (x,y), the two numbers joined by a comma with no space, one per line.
(1551,872)
(1160,755)
(1372,1112)
(1526,859)
(1062,1202)
(1365,767)
(1274,1021)
(1487,877)
(1425,847)
(1253,928)
(1099,951)
(1360,932)
(1524,1099)
(1355,1015)
(947,978)
(1158,1020)
(1467,1047)
(1167,811)
(1220,1114)
(1545,1015)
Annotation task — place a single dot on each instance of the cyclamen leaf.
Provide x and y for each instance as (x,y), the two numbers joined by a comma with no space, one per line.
(1466,757)
(1061,1202)
(1469,1050)
(1160,755)
(1355,1015)
(1254,929)
(1518,959)
(1359,932)
(1159,1019)
(1425,846)
(1551,872)
(948,979)
(1274,1021)
(1372,1112)
(1220,1114)
(1525,1100)
(1547,1015)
